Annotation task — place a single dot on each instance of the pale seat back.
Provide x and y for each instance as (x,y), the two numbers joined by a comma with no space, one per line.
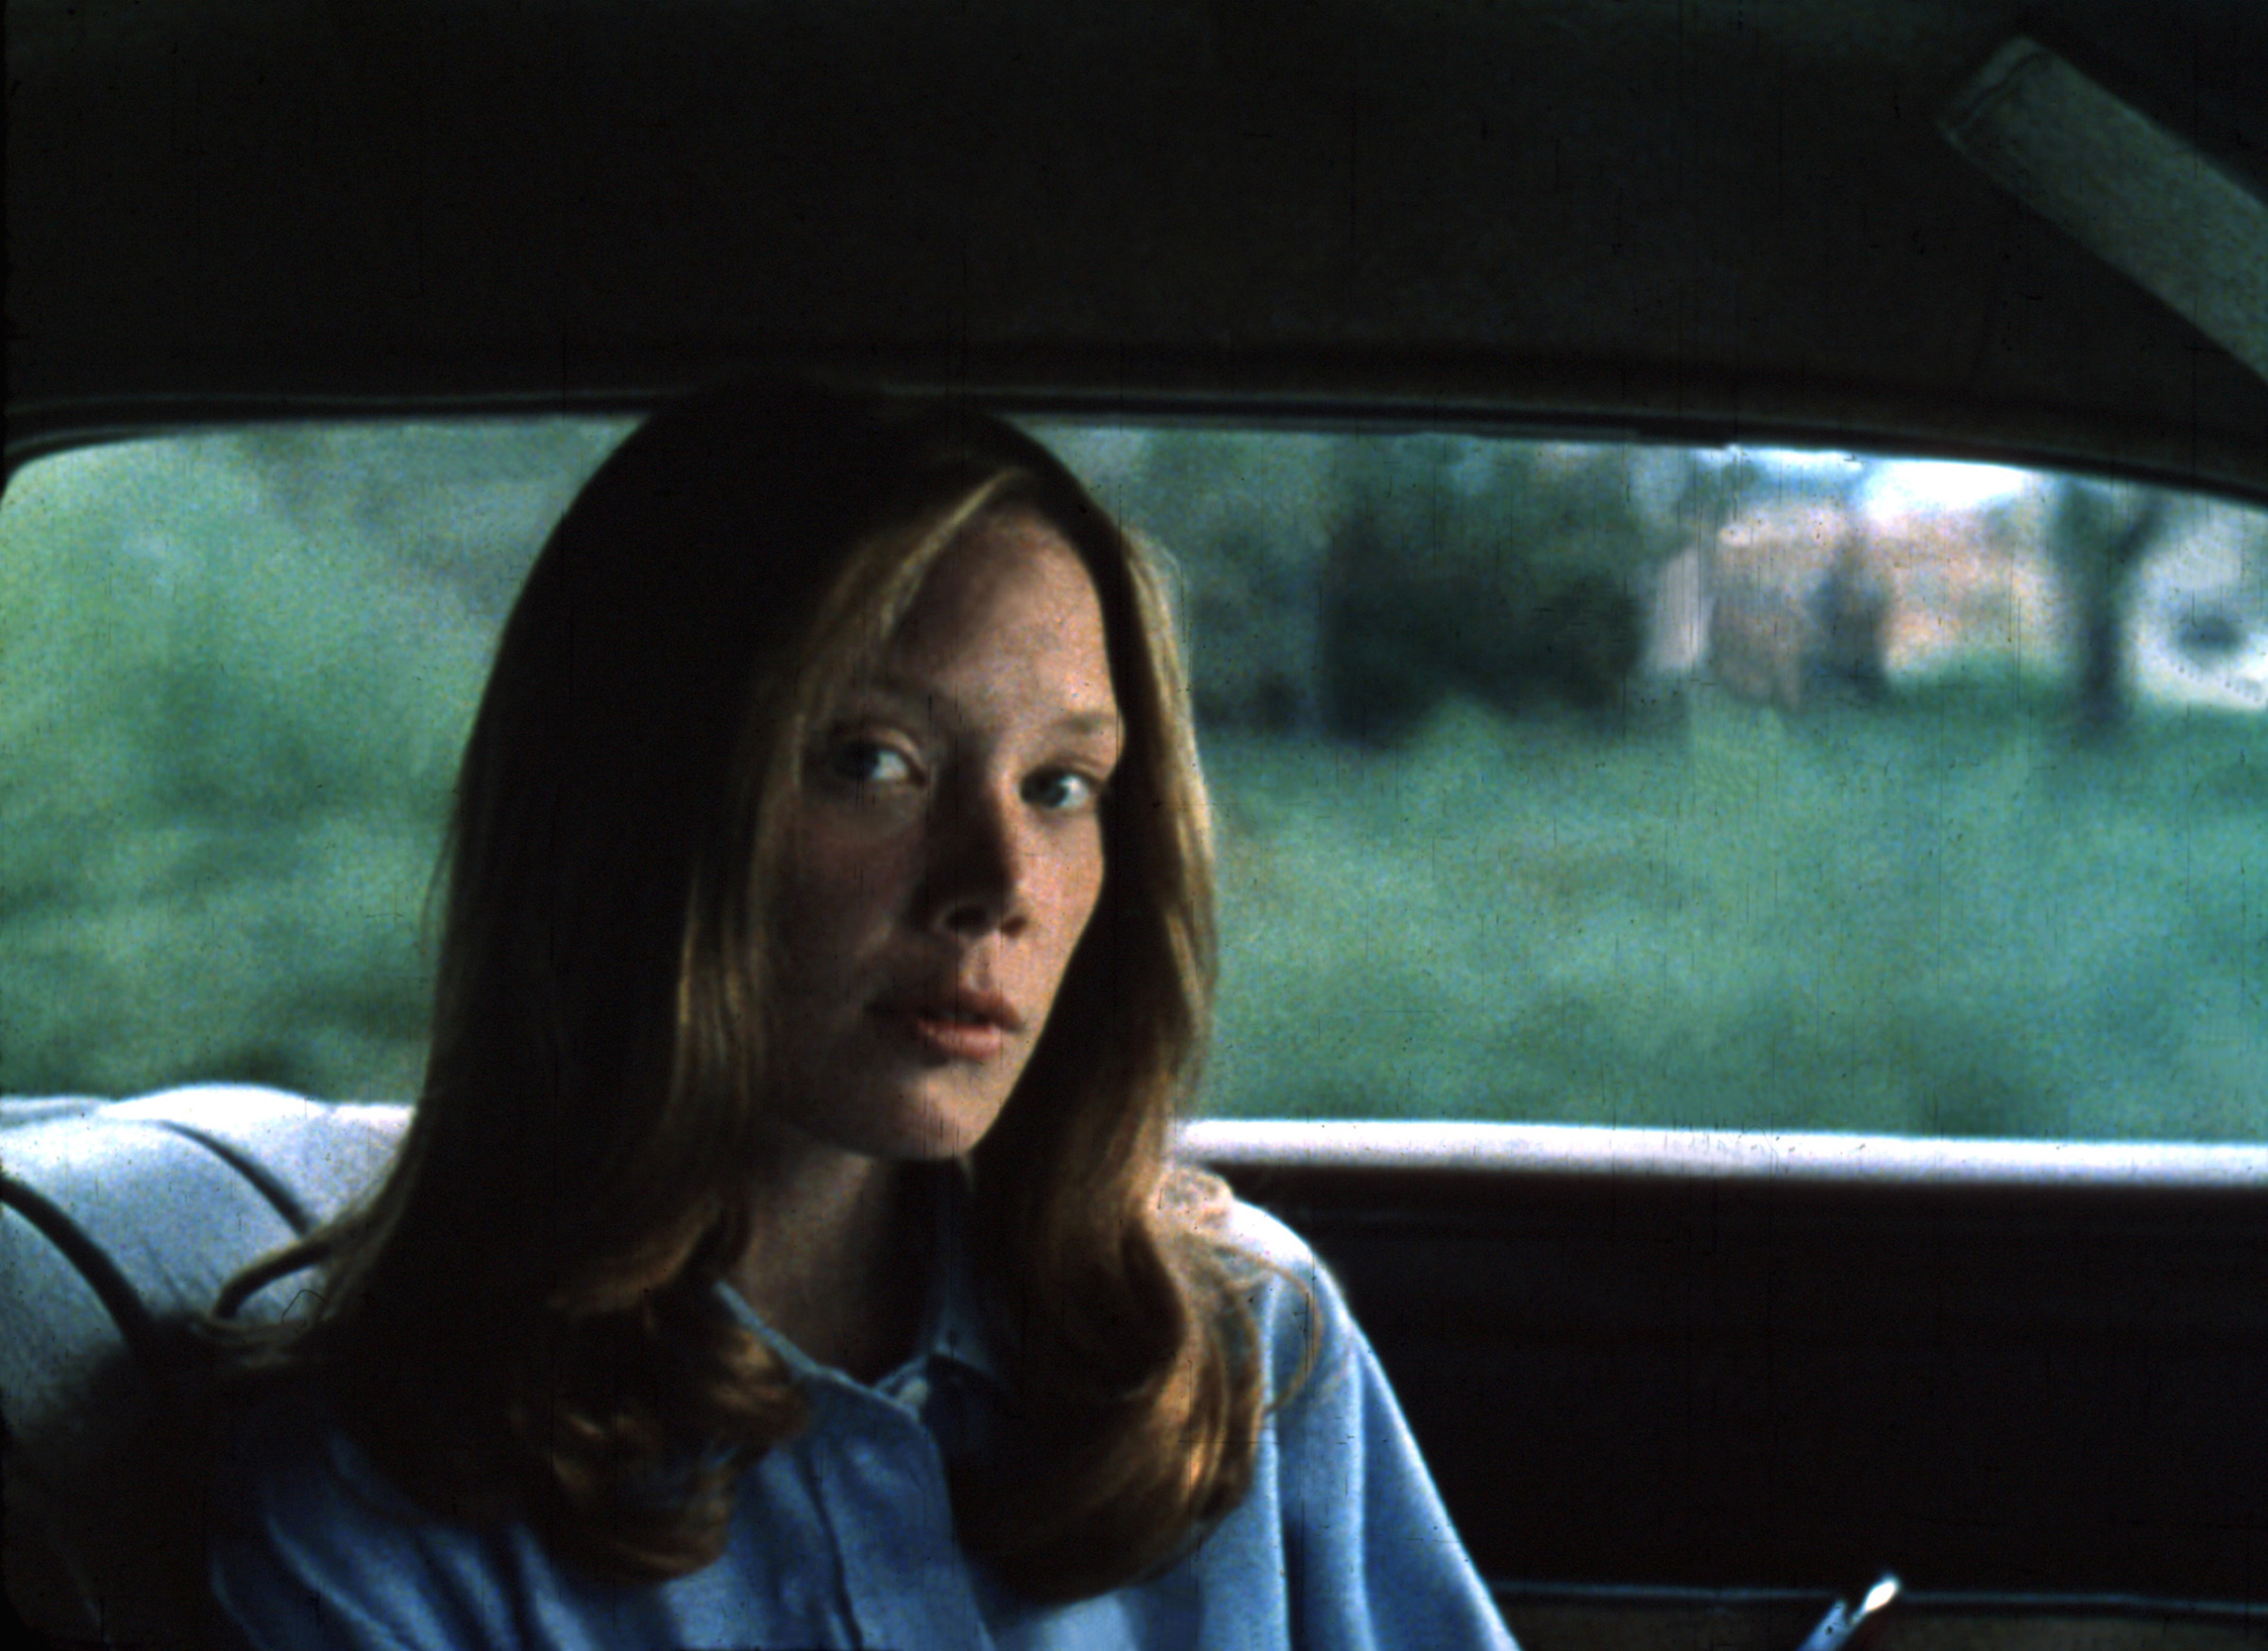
(118,1220)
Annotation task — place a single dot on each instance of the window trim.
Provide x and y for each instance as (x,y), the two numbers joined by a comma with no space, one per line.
(1723,1155)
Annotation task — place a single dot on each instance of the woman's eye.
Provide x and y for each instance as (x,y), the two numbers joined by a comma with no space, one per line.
(1064,791)
(868,762)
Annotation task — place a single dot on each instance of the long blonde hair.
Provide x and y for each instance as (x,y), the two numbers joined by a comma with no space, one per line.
(524,1319)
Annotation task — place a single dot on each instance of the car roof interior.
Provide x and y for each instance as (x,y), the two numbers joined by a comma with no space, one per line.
(1781,222)
(1717,219)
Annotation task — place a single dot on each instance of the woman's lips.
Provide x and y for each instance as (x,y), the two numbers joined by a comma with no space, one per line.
(941,1034)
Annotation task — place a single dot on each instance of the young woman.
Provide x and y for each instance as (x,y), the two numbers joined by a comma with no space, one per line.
(787,1249)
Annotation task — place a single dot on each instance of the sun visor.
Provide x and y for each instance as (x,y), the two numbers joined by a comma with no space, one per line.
(2141,198)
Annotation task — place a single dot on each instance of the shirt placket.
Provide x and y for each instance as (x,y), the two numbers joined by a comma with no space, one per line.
(882,1483)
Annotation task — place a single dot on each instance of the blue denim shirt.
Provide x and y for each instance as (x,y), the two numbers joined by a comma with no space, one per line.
(844,1535)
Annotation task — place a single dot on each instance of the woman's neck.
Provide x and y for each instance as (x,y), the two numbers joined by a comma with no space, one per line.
(835,1261)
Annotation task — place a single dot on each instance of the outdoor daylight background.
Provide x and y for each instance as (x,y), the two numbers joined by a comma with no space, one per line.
(1555,782)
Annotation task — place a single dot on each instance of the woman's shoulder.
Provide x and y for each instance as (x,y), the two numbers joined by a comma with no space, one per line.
(1251,1231)
(292,1484)
(287,1460)
(309,1542)
(1296,1306)
(1198,1199)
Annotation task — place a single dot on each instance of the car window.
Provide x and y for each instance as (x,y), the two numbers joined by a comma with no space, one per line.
(1556,780)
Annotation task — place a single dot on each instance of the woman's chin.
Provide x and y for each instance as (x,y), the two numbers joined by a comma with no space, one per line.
(924,1126)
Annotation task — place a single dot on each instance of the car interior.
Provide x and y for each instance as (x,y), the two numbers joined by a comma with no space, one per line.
(1560,412)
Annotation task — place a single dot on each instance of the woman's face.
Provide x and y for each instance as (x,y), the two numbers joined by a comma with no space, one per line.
(947,852)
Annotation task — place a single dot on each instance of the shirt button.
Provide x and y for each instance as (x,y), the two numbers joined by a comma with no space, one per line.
(914,1393)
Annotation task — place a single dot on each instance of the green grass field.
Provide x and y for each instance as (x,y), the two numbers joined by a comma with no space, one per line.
(1940,917)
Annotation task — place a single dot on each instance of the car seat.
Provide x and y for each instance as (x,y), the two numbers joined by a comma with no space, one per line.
(119,1221)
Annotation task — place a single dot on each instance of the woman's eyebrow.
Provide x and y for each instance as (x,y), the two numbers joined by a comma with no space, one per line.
(929,702)
(912,695)
(1090,722)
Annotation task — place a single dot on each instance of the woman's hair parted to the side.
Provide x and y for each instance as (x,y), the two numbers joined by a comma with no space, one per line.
(523,1318)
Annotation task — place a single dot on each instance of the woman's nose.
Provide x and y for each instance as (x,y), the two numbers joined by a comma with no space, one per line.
(980,868)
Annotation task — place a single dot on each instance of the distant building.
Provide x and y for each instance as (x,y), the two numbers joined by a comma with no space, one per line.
(1817,594)
(1973,587)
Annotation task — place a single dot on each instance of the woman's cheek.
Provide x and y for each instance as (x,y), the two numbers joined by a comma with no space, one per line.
(1092,869)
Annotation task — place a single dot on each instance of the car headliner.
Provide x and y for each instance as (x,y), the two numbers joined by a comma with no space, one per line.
(1712,219)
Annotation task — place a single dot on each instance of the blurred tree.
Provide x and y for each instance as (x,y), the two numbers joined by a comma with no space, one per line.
(2100,529)
(1245,517)
(1503,571)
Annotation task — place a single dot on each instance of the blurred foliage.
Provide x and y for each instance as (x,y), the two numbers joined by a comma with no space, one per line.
(1457,880)
(234,674)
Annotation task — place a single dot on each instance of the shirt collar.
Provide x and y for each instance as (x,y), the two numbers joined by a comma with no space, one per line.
(953,1329)
(954,1324)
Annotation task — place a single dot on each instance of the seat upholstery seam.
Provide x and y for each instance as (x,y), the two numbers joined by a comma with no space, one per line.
(136,1324)
(295,1215)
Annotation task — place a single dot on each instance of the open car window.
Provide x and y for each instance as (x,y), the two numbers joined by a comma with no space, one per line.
(1557,780)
